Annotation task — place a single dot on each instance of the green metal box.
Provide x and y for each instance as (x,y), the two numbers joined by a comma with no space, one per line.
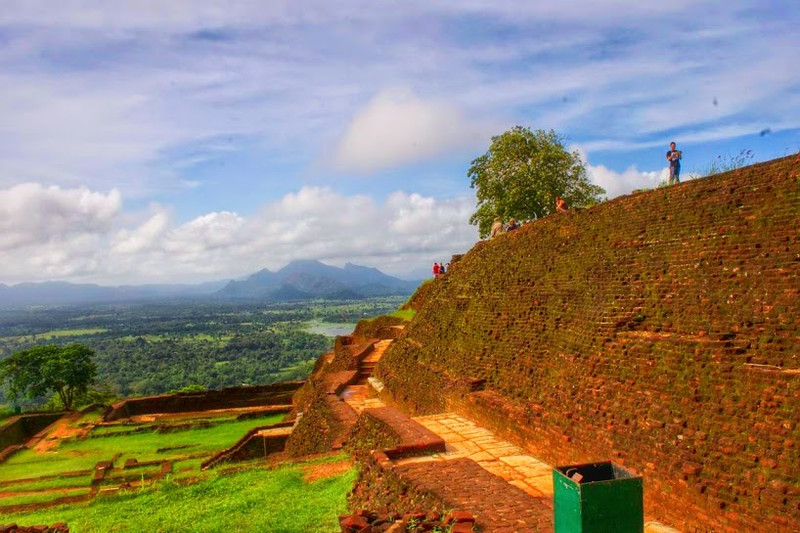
(597,498)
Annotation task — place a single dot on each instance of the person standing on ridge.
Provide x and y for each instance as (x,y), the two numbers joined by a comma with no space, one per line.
(674,158)
(436,270)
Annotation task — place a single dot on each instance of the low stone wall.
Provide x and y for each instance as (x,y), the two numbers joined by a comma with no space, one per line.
(21,428)
(14,528)
(230,398)
(377,487)
(348,352)
(251,446)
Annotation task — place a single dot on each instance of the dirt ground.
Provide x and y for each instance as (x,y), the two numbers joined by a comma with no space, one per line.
(62,428)
(321,471)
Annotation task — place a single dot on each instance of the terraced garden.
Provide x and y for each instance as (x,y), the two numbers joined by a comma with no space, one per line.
(81,457)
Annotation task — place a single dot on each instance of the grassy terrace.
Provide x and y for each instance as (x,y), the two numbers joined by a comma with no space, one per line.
(253,499)
(32,476)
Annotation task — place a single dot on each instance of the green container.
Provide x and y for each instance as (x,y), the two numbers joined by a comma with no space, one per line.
(597,498)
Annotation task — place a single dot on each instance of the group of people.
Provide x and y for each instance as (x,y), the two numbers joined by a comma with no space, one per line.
(674,157)
(439,269)
(499,228)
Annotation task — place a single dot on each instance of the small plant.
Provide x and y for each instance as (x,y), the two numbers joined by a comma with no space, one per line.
(730,162)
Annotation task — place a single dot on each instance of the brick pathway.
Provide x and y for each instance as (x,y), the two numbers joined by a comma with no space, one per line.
(497,506)
(506,489)
(464,439)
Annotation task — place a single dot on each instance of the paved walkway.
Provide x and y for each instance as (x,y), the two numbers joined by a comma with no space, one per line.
(506,489)
(508,461)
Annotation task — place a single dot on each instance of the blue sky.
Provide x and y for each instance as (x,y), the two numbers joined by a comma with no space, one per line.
(150,141)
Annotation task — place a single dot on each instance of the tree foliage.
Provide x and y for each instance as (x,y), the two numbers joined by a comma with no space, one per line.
(65,370)
(522,174)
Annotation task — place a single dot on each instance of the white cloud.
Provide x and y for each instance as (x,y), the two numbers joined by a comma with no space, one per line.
(145,237)
(397,128)
(401,235)
(32,215)
(619,183)
(145,97)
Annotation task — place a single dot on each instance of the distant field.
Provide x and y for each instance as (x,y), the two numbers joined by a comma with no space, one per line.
(153,348)
(219,340)
(56,334)
(255,499)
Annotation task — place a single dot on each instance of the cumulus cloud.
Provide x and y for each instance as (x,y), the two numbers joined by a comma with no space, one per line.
(32,215)
(397,127)
(145,237)
(619,183)
(94,241)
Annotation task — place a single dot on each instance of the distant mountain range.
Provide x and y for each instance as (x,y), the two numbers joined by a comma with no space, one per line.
(305,280)
(299,280)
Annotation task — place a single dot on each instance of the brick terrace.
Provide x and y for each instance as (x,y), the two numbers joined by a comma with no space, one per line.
(659,330)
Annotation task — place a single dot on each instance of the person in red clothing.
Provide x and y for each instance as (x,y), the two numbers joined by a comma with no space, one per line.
(436,270)
(561,205)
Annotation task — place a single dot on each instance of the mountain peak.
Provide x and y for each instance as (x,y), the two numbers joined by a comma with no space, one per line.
(318,280)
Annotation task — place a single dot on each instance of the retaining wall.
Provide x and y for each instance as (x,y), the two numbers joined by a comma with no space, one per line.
(659,330)
(21,428)
(230,398)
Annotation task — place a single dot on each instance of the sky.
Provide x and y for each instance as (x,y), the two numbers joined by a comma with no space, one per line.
(185,141)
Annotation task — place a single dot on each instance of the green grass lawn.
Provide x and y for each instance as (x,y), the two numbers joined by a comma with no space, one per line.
(83,454)
(44,484)
(42,497)
(405,314)
(251,500)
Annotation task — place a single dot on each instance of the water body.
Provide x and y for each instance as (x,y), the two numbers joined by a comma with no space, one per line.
(330,329)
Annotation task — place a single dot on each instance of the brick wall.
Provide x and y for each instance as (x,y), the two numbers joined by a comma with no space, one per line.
(21,428)
(660,330)
(230,398)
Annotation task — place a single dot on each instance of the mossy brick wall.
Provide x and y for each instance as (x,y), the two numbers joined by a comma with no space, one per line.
(660,330)
(316,431)
(377,328)
(377,487)
(348,351)
(326,420)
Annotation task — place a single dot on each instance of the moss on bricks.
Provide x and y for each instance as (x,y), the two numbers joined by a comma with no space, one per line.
(659,330)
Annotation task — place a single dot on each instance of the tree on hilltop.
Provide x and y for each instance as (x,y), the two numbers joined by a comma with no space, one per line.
(66,370)
(522,174)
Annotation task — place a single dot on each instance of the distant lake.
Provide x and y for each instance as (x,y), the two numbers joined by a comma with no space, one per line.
(330,329)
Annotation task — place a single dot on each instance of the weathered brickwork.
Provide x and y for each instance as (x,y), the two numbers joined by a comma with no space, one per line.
(377,328)
(325,420)
(18,429)
(274,394)
(660,330)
